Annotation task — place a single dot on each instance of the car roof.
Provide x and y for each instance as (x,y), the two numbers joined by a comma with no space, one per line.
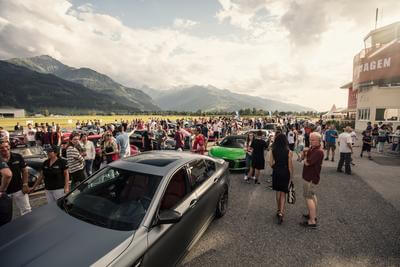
(156,162)
(236,137)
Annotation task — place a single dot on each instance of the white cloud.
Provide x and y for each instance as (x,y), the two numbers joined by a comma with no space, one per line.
(265,60)
(184,23)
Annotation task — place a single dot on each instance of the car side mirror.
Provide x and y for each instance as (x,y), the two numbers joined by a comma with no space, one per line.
(168,217)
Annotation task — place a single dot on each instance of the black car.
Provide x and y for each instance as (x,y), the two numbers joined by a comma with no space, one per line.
(147,210)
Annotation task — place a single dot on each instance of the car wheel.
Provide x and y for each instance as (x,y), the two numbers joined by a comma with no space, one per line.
(222,204)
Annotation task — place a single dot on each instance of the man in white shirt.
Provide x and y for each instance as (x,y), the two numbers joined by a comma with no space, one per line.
(90,153)
(123,143)
(29,135)
(345,149)
(291,138)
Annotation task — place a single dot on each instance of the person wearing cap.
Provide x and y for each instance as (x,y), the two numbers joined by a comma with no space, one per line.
(55,175)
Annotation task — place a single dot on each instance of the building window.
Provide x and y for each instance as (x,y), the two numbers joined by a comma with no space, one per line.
(363,114)
(387,114)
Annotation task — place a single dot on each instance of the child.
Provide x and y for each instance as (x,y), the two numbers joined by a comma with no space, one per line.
(367,143)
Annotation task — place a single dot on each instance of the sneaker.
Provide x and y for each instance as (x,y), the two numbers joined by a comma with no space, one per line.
(339,170)
(369,158)
(360,155)
(332,160)
(246,178)
(256,181)
(326,159)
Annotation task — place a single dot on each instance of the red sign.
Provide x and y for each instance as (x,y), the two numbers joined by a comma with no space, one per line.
(352,99)
(377,63)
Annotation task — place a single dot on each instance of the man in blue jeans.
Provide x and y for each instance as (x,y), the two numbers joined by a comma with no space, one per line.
(345,149)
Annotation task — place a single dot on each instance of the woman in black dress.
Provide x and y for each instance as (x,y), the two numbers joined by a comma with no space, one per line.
(280,160)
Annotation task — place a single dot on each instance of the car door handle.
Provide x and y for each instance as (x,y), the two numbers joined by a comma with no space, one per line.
(193,203)
(216,179)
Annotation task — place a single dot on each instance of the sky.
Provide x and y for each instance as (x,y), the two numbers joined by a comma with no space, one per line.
(295,51)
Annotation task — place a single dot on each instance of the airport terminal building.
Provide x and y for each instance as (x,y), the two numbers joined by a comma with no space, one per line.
(375,89)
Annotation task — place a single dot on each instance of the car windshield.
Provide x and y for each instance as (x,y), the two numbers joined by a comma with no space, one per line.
(233,142)
(113,198)
(30,152)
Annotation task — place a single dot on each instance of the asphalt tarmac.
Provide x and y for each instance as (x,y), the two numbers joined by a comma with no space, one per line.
(358,217)
(357,226)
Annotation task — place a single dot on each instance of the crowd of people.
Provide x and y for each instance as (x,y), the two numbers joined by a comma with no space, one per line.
(293,138)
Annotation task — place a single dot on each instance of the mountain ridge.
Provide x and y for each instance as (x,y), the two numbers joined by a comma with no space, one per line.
(87,77)
(210,98)
(21,87)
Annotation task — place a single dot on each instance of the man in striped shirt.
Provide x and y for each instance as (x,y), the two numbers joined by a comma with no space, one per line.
(76,161)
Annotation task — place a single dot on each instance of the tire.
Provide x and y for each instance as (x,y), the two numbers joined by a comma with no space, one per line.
(222,204)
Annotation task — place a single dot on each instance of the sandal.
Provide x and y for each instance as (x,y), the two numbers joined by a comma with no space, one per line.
(307,225)
(280,218)
(306,216)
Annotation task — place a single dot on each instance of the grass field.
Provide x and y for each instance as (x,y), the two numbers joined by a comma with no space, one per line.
(69,121)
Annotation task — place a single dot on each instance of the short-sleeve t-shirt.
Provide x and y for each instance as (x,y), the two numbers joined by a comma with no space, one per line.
(344,139)
(30,134)
(54,175)
(3,165)
(258,146)
(16,164)
(330,136)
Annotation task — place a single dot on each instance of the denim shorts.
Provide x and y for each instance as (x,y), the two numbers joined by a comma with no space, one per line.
(248,160)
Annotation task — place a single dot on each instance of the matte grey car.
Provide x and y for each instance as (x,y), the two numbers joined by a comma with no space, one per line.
(147,210)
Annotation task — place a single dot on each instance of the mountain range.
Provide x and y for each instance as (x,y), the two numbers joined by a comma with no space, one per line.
(43,82)
(21,87)
(90,79)
(209,98)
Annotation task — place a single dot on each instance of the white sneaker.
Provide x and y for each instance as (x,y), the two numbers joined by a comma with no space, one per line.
(254,178)
(246,178)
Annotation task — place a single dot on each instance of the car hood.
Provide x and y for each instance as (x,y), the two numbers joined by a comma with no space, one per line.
(36,163)
(227,153)
(50,237)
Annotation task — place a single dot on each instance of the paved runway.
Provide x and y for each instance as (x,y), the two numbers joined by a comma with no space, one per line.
(357,227)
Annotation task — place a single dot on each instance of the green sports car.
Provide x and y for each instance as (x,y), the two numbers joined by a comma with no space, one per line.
(231,149)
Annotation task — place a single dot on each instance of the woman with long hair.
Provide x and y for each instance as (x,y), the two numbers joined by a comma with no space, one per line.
(110,148)
(280,160)
(249,156)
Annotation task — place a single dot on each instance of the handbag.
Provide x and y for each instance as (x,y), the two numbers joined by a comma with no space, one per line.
(291,196)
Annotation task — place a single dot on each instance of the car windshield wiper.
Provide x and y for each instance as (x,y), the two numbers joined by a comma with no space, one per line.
(89,220)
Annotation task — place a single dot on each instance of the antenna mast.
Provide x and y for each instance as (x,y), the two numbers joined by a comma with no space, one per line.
(376,18)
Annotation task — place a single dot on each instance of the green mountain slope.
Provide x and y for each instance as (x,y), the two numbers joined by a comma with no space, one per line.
(21,87)
(89,78)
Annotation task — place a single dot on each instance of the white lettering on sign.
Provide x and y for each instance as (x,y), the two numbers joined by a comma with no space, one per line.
(374,65)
